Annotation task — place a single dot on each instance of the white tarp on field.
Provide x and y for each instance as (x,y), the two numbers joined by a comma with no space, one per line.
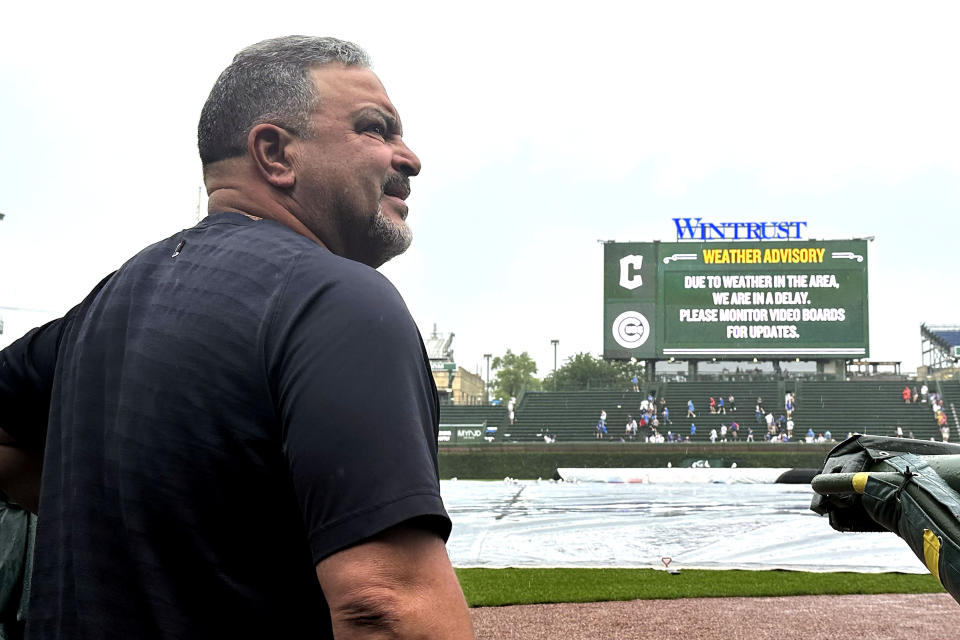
(680,475)
(711,526)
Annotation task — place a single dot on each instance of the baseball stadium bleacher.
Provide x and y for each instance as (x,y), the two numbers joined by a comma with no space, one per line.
(874,407)
(863,406)
(483,416)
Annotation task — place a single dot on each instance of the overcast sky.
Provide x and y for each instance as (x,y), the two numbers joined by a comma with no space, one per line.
(541,131)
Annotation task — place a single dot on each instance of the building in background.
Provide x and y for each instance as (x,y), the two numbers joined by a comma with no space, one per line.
(455,385)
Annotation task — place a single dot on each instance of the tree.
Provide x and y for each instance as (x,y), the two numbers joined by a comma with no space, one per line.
(583,372)
(514,374)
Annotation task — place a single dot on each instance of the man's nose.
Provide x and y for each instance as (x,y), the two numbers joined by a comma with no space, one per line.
(405,160)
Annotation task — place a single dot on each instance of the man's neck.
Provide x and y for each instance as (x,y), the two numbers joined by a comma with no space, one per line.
(227,197)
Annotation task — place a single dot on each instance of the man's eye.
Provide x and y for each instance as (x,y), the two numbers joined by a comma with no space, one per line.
(377,129)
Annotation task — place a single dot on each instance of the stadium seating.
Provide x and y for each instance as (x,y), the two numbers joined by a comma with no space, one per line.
(864,406)
(745,394)
(570,415)
(488,416)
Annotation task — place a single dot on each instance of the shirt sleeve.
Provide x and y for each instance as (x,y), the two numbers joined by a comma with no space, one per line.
(358,406)
(27,368)
(26,378)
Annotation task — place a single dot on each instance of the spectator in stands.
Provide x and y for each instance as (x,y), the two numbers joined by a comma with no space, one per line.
(690,413)
(749,434)
(916,394)
(631,427)
(923,392)
(906,395)
(945,432)
(810,435)
(723,432)
(899,431)
(735,431)
(732,403)
(759,413)
(644,405)
(636,385)
(720,406)
(693,429)
(510,408)
(770,423)
(601,430)
(788,404)
(666,415)
(713,436)
(935,403)
(713,404)
(790,426)
(603,418)
(828,436)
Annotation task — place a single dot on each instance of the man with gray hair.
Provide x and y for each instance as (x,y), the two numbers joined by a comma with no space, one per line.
(212,459)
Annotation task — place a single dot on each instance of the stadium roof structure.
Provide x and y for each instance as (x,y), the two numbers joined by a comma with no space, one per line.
(438,346)
(940,345)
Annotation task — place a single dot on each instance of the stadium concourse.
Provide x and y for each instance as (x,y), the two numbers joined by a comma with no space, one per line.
(867,405)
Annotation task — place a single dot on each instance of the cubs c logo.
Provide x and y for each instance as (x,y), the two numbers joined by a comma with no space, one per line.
(631,329)
(630,272)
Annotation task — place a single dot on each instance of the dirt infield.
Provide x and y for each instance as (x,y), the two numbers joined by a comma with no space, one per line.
(874,617)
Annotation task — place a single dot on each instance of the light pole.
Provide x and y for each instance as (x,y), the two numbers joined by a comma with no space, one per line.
(486,387)
(554,343)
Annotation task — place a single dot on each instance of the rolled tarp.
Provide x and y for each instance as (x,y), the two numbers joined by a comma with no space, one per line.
(908,487)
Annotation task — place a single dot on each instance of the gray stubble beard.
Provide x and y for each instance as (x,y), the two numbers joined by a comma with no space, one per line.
(392,238)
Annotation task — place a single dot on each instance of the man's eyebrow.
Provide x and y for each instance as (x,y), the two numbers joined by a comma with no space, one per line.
(392,121)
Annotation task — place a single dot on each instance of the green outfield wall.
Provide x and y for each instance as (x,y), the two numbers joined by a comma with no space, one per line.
(496,462)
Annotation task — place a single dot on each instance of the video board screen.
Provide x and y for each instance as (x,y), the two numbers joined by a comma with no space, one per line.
(735,300)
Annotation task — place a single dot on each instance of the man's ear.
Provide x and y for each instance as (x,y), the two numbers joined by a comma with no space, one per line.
(270,148)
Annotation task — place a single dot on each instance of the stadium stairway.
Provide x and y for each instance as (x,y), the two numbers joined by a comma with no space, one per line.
(950,391)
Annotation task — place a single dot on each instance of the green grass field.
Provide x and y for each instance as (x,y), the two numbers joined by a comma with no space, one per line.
(496,587)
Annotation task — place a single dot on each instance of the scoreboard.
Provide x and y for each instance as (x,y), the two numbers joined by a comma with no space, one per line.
(735,300)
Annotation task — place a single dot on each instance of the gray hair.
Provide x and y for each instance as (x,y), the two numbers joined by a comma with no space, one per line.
(267,82)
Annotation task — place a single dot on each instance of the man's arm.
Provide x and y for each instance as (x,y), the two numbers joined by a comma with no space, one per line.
(398,584)
(20,472)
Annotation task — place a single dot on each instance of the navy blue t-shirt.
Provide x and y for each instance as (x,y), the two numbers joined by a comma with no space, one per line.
(217,422)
